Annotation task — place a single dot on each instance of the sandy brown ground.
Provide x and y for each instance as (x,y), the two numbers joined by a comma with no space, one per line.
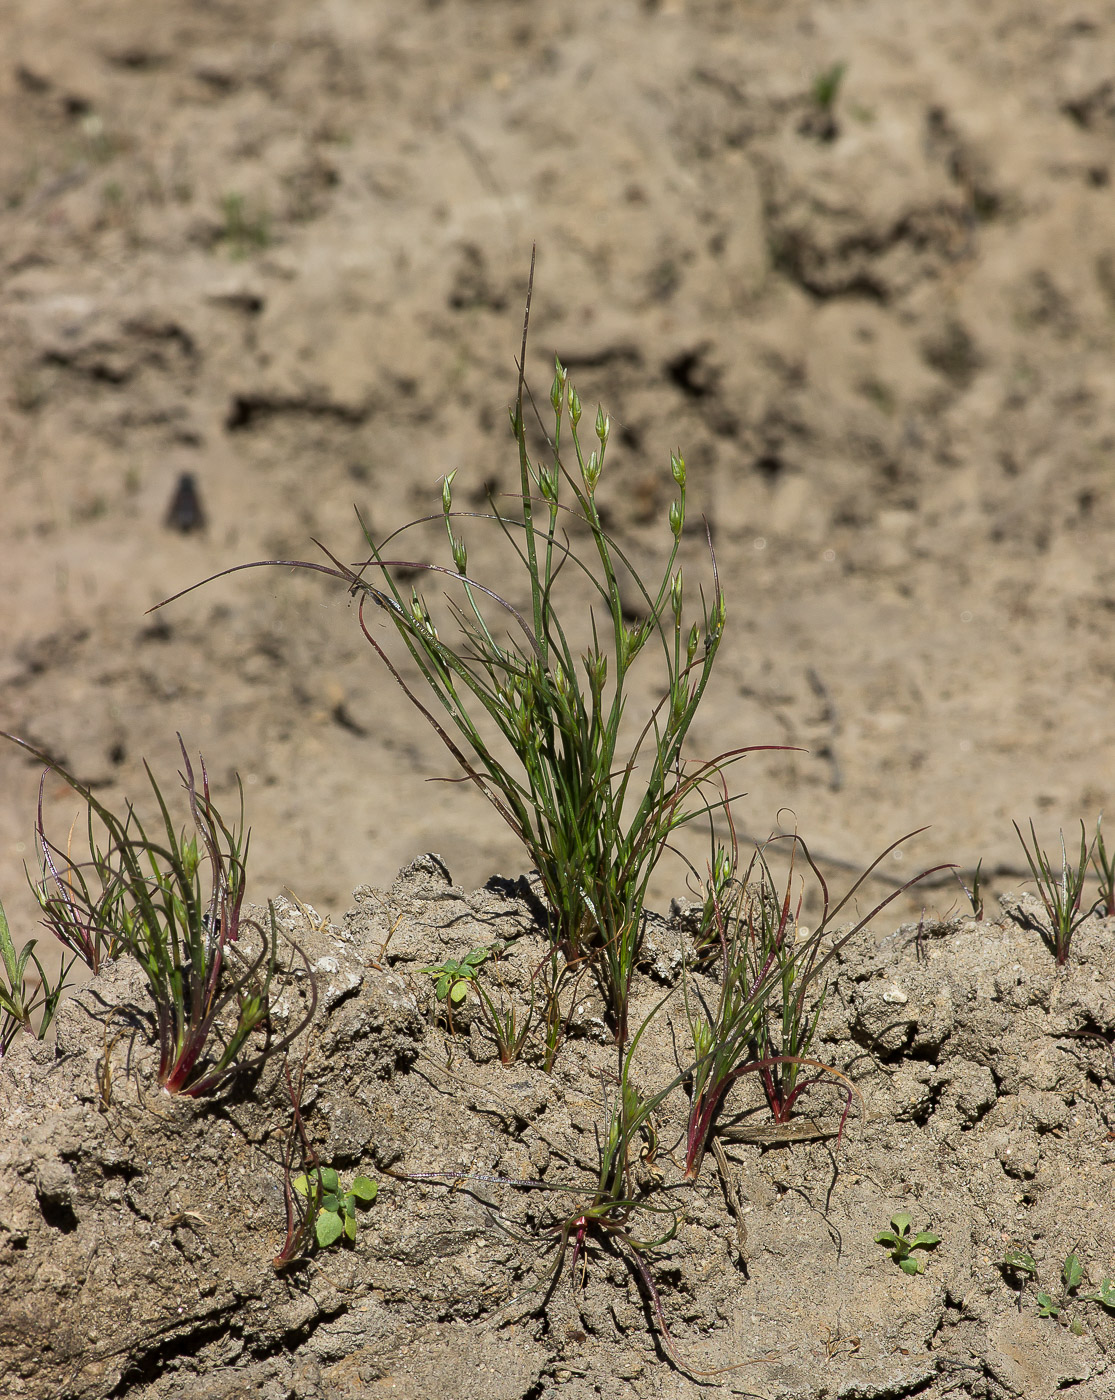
(284,247)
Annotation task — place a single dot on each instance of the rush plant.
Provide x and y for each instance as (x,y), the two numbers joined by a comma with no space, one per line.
(1059,893)
(173,903)
(23,998)
(593,794)
(771,990)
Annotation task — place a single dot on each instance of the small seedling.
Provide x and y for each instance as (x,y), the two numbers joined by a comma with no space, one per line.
(826,86)
(771,991)
(243,232)
(975,893)
(21,996)
(336,1214)
(454,977)
(1072,1275)
(902,1243)
(1019,1263)
(1104,867)
(820,122)
(1060,894)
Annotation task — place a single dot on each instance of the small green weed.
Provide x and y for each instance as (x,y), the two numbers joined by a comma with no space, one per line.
(454,977)
(826,86)
(975,892)
(771,988)
(1072,1276)
(243,232)
(22,997)
(336,1213)
(1059,893)
(902,1243)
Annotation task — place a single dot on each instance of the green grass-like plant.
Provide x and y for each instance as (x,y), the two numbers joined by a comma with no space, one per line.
(593,796)
(1104,866)
(771,989)
(147,896)
(22,998)
(1059,893)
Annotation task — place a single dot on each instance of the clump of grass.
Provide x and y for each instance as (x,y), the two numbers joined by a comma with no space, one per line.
(22,998)
(771,992)
(1060,894)
(209,971)
(593,797)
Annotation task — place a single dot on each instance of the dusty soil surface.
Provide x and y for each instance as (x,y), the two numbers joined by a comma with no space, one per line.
(137,1231)
(284,249)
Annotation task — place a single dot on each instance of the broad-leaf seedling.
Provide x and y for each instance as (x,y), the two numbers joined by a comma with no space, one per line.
(902,1243)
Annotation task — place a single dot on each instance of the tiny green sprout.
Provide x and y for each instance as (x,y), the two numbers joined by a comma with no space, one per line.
(454,975)
(826,86)
(901,1243)
(975,893)
(1105,870)
(1072,1276)
(1061,894)
(337,1213)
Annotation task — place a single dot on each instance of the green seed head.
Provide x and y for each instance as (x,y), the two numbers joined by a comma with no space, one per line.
(557,389)
(460,555)
(447,492)
(693,644)
(676,595)
(677,466)
(591,471)
(677,518)
(574,406)
(603,426)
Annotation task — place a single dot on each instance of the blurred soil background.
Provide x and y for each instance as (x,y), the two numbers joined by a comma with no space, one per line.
(855,258)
